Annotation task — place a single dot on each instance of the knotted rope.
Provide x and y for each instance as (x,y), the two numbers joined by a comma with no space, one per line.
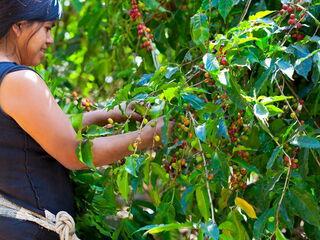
(62,223)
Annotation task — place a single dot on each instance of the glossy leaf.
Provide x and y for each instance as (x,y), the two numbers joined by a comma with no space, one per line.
(202,202)
(123,184)
(225,7)
(260,111)
(201,132)
(211,63)
(196,102)
(199,28)
(245,206)
(306,142)
(304,205)
(84,153)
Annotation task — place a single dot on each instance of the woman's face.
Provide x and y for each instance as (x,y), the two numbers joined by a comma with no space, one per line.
(33,41)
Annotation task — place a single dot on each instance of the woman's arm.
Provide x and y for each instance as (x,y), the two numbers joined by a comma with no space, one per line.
(26,98)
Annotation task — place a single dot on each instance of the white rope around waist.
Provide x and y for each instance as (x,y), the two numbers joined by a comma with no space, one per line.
(62,223)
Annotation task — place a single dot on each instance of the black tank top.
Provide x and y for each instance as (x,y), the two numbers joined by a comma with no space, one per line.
(29,176)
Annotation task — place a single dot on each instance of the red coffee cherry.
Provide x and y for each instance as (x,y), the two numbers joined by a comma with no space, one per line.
(292,21)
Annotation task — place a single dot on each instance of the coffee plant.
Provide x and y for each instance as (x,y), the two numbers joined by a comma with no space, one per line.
(241,81)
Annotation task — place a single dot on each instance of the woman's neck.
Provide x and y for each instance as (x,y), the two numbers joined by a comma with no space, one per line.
(8,53)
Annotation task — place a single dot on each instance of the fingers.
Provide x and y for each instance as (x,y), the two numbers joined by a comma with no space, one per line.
(137,117)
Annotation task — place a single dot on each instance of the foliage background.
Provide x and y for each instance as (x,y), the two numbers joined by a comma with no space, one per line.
(246,162)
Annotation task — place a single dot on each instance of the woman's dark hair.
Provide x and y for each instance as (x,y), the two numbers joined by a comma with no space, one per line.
(13,11)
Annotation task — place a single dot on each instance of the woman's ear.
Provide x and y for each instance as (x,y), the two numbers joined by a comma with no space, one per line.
(17,27)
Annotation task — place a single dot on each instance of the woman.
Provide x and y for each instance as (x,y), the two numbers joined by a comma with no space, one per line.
(37,141)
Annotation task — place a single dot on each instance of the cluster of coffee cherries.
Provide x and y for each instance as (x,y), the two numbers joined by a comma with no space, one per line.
(293,159)
(296,15)
(208,80)
(221,56)
(143,31)
(86,103)
(175,165)
(294,162)
(147,37)
(235,126)
(299,106)
(238,178)
(134,12)
(184,124)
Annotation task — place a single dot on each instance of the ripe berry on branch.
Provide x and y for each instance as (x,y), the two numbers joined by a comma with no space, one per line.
(290,9)
(292,21)
(224,61)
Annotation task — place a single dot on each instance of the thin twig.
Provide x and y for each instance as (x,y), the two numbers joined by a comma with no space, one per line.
(206,172)
(245,10)
(282,194)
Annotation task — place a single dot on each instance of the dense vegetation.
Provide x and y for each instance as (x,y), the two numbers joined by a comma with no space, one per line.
(240,78)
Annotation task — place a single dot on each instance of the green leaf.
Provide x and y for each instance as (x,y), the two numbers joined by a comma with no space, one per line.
(159,171)
(210,230)
(225,7)
(279,235)
(152,4)
(303,67)
(77,5)
(201,132)
(195,102)
(171,71)
(210,62)
(286,68)
(267,100)
(304,205)
(274,156)
(261,222)
(170,93)
(233,227)
(84,153)
(145,79)
(260,111)
(306,142)
(200,28)
(157,228)
(273,110)
(259,15)
(202,202)
(220,167)
(186,198)
(123,183)
(94,131)
(157,109)
(263,80)
(222,129)
(223,77)
(131,165)
(76,121)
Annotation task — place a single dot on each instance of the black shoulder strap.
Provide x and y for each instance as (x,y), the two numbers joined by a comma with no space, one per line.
(9,67)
